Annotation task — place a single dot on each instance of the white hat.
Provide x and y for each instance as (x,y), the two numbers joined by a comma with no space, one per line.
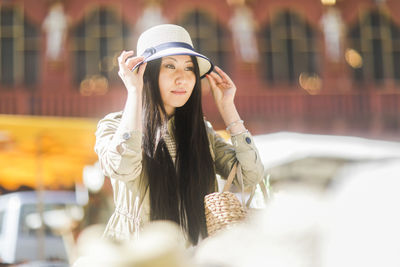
(168,39)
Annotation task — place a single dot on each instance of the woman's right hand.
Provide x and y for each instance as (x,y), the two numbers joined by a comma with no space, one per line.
(133,80)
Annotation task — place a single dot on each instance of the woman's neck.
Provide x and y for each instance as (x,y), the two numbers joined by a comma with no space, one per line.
(166,117)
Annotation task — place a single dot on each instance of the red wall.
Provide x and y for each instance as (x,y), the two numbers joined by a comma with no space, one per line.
(265,107)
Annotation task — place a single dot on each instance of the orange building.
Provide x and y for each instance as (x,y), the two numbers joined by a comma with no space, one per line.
(320,66)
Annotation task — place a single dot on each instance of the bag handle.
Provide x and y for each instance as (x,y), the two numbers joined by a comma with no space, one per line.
(229,181)
(230,178)
(264,185)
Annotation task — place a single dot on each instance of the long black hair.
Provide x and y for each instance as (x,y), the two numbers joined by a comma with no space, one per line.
(176,192)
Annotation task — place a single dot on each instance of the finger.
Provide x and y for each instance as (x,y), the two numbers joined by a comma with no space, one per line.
(212,81)
(131,62)
(126,54)
(216,77)
(136,67)
(122,58)
(223,74)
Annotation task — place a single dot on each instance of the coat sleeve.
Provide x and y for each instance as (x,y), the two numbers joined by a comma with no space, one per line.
(120,157)
(242,150)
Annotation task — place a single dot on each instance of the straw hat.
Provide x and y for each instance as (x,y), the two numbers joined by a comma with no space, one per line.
(166,40)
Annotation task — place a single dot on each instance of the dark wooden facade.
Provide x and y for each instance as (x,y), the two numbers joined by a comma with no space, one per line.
(355,101)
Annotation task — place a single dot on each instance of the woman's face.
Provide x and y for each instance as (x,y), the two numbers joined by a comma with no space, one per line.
(176,81)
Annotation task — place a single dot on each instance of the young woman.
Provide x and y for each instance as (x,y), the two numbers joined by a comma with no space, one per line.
(160,153)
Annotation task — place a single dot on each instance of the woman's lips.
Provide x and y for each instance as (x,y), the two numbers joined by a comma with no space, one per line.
(179,92)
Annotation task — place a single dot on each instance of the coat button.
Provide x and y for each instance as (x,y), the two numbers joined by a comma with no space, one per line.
(126,136)
(248,140)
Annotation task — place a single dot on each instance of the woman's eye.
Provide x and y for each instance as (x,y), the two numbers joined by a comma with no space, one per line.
(190,68)
(169,66)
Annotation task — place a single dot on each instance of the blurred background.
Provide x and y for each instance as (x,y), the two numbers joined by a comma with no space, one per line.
(318,84)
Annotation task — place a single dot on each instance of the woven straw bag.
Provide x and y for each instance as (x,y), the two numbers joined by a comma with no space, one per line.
(222,210)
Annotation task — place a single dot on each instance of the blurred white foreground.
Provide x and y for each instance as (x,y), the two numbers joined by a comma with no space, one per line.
(315,159)
(283,147)
(352,222)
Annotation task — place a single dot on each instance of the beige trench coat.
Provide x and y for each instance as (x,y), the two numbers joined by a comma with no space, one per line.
(121,160)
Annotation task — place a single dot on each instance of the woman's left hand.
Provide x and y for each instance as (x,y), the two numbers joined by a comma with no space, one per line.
(222,87)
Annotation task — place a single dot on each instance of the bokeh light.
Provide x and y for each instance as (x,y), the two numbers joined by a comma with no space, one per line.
(310,82)
(328,2)
(94,85)
(353,58)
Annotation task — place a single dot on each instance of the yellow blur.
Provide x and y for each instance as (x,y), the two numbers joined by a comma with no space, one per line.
(46,152)
(224,134)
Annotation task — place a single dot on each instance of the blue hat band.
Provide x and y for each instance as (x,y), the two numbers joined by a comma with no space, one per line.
(152,50)
(158,48)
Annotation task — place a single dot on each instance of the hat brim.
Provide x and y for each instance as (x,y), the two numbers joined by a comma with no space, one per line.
(205,65)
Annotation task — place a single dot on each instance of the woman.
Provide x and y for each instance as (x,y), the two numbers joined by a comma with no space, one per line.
(161,156)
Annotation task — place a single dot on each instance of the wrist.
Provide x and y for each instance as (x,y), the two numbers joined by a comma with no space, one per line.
(226,107)
(133,90)
(229,114)
(233,125)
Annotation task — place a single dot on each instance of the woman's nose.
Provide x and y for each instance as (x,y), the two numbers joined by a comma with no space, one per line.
(180,76)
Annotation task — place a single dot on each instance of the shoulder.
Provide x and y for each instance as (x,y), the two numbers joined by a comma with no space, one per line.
(209,127)
(207,124)
(220,133)
(214,136)
(111,118)
(109,123)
